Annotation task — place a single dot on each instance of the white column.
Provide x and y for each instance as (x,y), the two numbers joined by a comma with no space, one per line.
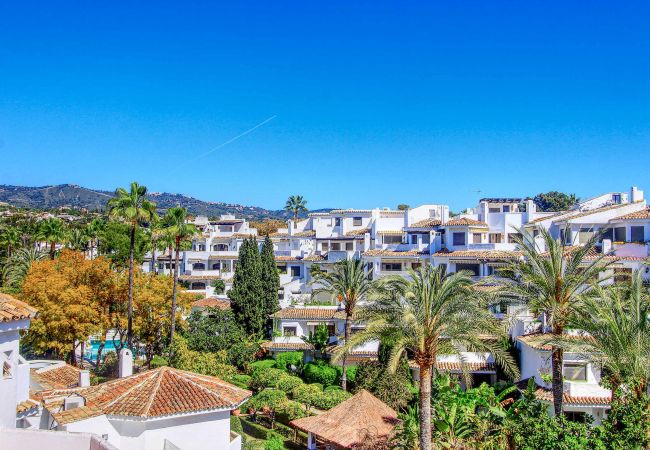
(311,442)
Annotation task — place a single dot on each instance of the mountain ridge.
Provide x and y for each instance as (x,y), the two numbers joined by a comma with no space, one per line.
(76,196)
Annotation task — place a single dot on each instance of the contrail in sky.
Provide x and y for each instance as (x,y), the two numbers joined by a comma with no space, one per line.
(229,141)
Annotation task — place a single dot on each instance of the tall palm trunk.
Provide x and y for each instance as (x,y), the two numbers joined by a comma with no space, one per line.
(557,356)
(425,407)
(52,249)
(348,327)
(173,324)
(153,260)
(129,332)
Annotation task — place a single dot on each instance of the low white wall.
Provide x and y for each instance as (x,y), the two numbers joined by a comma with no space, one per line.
(50,440)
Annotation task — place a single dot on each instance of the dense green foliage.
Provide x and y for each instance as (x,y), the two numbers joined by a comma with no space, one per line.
(270,278)
(319,371)
(114,242)
(555,201)
(247,294)
(393,388)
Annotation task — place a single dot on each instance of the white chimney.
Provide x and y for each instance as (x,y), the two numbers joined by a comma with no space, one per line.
(636,195)
(125,363)
(84,378)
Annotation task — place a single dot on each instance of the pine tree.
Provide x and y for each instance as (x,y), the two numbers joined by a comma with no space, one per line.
(246,295)
(270,278)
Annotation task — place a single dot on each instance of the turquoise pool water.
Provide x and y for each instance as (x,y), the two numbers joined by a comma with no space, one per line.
(91,352)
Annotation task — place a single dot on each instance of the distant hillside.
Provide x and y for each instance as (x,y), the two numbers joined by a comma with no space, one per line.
(73,196)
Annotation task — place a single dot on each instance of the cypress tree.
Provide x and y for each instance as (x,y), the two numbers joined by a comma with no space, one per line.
(270,278)
(246,295)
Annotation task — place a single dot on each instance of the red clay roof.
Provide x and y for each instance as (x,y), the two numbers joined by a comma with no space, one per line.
(56,376)
(25,406)
(546,395)
(478,254)
(379,252)
(309,314)
(282,258)
(464,222)
(359,232)
(13,309)
(539,341)
(286,346)
(642,214)
(155,393)
(453,366)
(426,223)
(212,302)
(352,422)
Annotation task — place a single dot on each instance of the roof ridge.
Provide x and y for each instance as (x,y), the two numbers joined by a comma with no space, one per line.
(145,377)
(152,397)
(188,378)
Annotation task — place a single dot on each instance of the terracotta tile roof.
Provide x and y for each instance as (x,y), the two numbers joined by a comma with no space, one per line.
(277,234)
(247,235)
(453,366)
(379,252)
(155,393)
(25,406)
(386,213)
(76,414)
(390,232)
(352,421)
(306,233)
(13,309)
(426,223)
(309,313)
(478,254)
(539,341)
(642,214)
(345,211)
(282,258)
(212,302)
(464,222)
(56,376)
(200,277)
(287,346)
(359,232)
(593,211)
(546,395)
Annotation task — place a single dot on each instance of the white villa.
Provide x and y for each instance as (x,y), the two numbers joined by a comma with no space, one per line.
(50,404)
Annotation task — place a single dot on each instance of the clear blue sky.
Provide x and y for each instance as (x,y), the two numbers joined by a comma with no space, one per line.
(375,103)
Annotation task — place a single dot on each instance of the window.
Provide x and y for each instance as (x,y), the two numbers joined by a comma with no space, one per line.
(324,246)
(506,208)
(576,416)
(459,238)
(608,234)
(282,268)
(494,210)
(473,268)
(220,247)
(349,246)
(637,234)
(619,234)
(392,239)
(289,331)
(565,236)
(201,247)
(216,266)
(337,222)
(280,294)
(616,198)
(575,371)
(495,238)
(336,246)
(512,236)
(197,286)
(295,271)
(356,221)
(391,267)
(476,238)
(331,329)
(198,266)
(414,239)
(426,238)
(416,266)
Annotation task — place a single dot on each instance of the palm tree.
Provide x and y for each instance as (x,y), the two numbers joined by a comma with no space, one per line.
(134,208)
(348,283)
(52,231)
(551,282)
(10,239)
(78,239)
(16,267)
(431,313)
(176,222)
(617,319)
(295,205)
(94,230)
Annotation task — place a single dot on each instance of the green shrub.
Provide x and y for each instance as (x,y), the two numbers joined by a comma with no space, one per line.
(286,360)
(236,426)
(287,383)
(308,394)
(291,410)
(320,372)
(274,442)
(351,375)
(108,368)
(158,361)
(261,364)
(241,381)
(263,378)
(328,400)
(333,388)
(268,398)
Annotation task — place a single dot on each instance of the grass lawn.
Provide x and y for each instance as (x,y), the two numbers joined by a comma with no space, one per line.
(255,435)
